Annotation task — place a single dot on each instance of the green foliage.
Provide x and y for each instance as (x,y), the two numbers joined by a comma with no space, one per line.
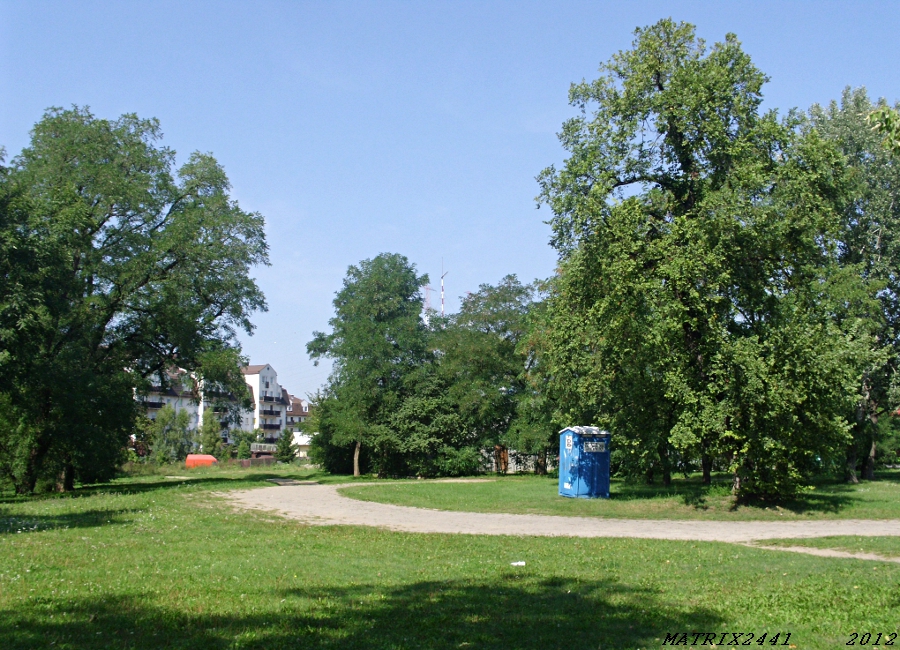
(479,358)
(323,449)
(170,439)
(428,408)
(111,261)
(377,338)
(886,121)
(243,450)
(869,243)
(241,440)
(210,436)
(701,309)
(286,450)
(430,434)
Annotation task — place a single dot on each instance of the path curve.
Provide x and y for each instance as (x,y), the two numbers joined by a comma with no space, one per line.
(324,505)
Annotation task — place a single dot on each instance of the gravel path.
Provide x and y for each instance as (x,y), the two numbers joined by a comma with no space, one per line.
(323,505)
(828,552)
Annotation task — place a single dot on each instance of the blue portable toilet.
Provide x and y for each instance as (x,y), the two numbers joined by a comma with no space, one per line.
(584,462)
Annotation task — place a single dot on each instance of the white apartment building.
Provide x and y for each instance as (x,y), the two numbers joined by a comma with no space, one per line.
(296,413)
(272,410)
(270,400)
(181,395)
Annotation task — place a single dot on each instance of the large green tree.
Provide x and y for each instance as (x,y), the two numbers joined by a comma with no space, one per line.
(114,266)
(699,282)
(870,244)
(378,338)
(479,357)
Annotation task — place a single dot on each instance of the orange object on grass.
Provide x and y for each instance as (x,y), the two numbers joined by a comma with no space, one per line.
(200,460)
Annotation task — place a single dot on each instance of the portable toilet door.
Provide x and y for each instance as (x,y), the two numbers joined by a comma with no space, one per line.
(584,462)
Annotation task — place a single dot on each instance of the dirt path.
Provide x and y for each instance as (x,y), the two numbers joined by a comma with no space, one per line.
(323,505)
(827,552)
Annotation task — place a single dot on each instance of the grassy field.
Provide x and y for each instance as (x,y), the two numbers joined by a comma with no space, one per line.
(686,499)
(886,546)
(156,562)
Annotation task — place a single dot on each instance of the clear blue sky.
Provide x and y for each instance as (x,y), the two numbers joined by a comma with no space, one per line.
(409,127)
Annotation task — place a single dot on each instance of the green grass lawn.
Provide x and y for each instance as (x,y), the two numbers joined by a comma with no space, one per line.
(685,499)
(166,563)
(886,546)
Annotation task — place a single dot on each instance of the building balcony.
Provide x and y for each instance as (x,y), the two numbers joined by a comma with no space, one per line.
(153,405)
(270,427)
(269,412)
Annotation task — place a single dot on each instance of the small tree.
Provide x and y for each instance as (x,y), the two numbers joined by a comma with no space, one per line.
(210,436)
(286,450)
(170,440)
(243,450)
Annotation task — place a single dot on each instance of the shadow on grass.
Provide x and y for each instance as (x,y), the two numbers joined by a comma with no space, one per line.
(233,481)
(18,524)
(512,612)
(830,496)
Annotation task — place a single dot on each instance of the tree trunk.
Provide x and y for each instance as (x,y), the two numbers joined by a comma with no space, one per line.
(706,462)
(66,481)
(736,477)
(736,484)
(869,466)
(356,458)
(850,467)
(540,463)
(26,483)
(663,451)
(501,459)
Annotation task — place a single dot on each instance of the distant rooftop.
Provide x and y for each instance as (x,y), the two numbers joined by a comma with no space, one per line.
(253,370)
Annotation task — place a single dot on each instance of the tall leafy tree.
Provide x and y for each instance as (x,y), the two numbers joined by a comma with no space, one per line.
(870,245)
(114,267)
(480,362)
(377,339)
(699,281)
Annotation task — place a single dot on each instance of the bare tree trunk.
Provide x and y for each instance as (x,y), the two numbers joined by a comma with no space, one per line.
(664,463)
(869,465)
(736,477)
(356,458)
(736,483)
(850,467)
(706,462)
(540,463)
(66,481)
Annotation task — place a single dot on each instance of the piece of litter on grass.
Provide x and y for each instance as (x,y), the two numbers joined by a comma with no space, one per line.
(516,564)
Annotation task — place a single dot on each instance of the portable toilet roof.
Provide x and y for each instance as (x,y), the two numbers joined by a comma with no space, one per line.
(587,431)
